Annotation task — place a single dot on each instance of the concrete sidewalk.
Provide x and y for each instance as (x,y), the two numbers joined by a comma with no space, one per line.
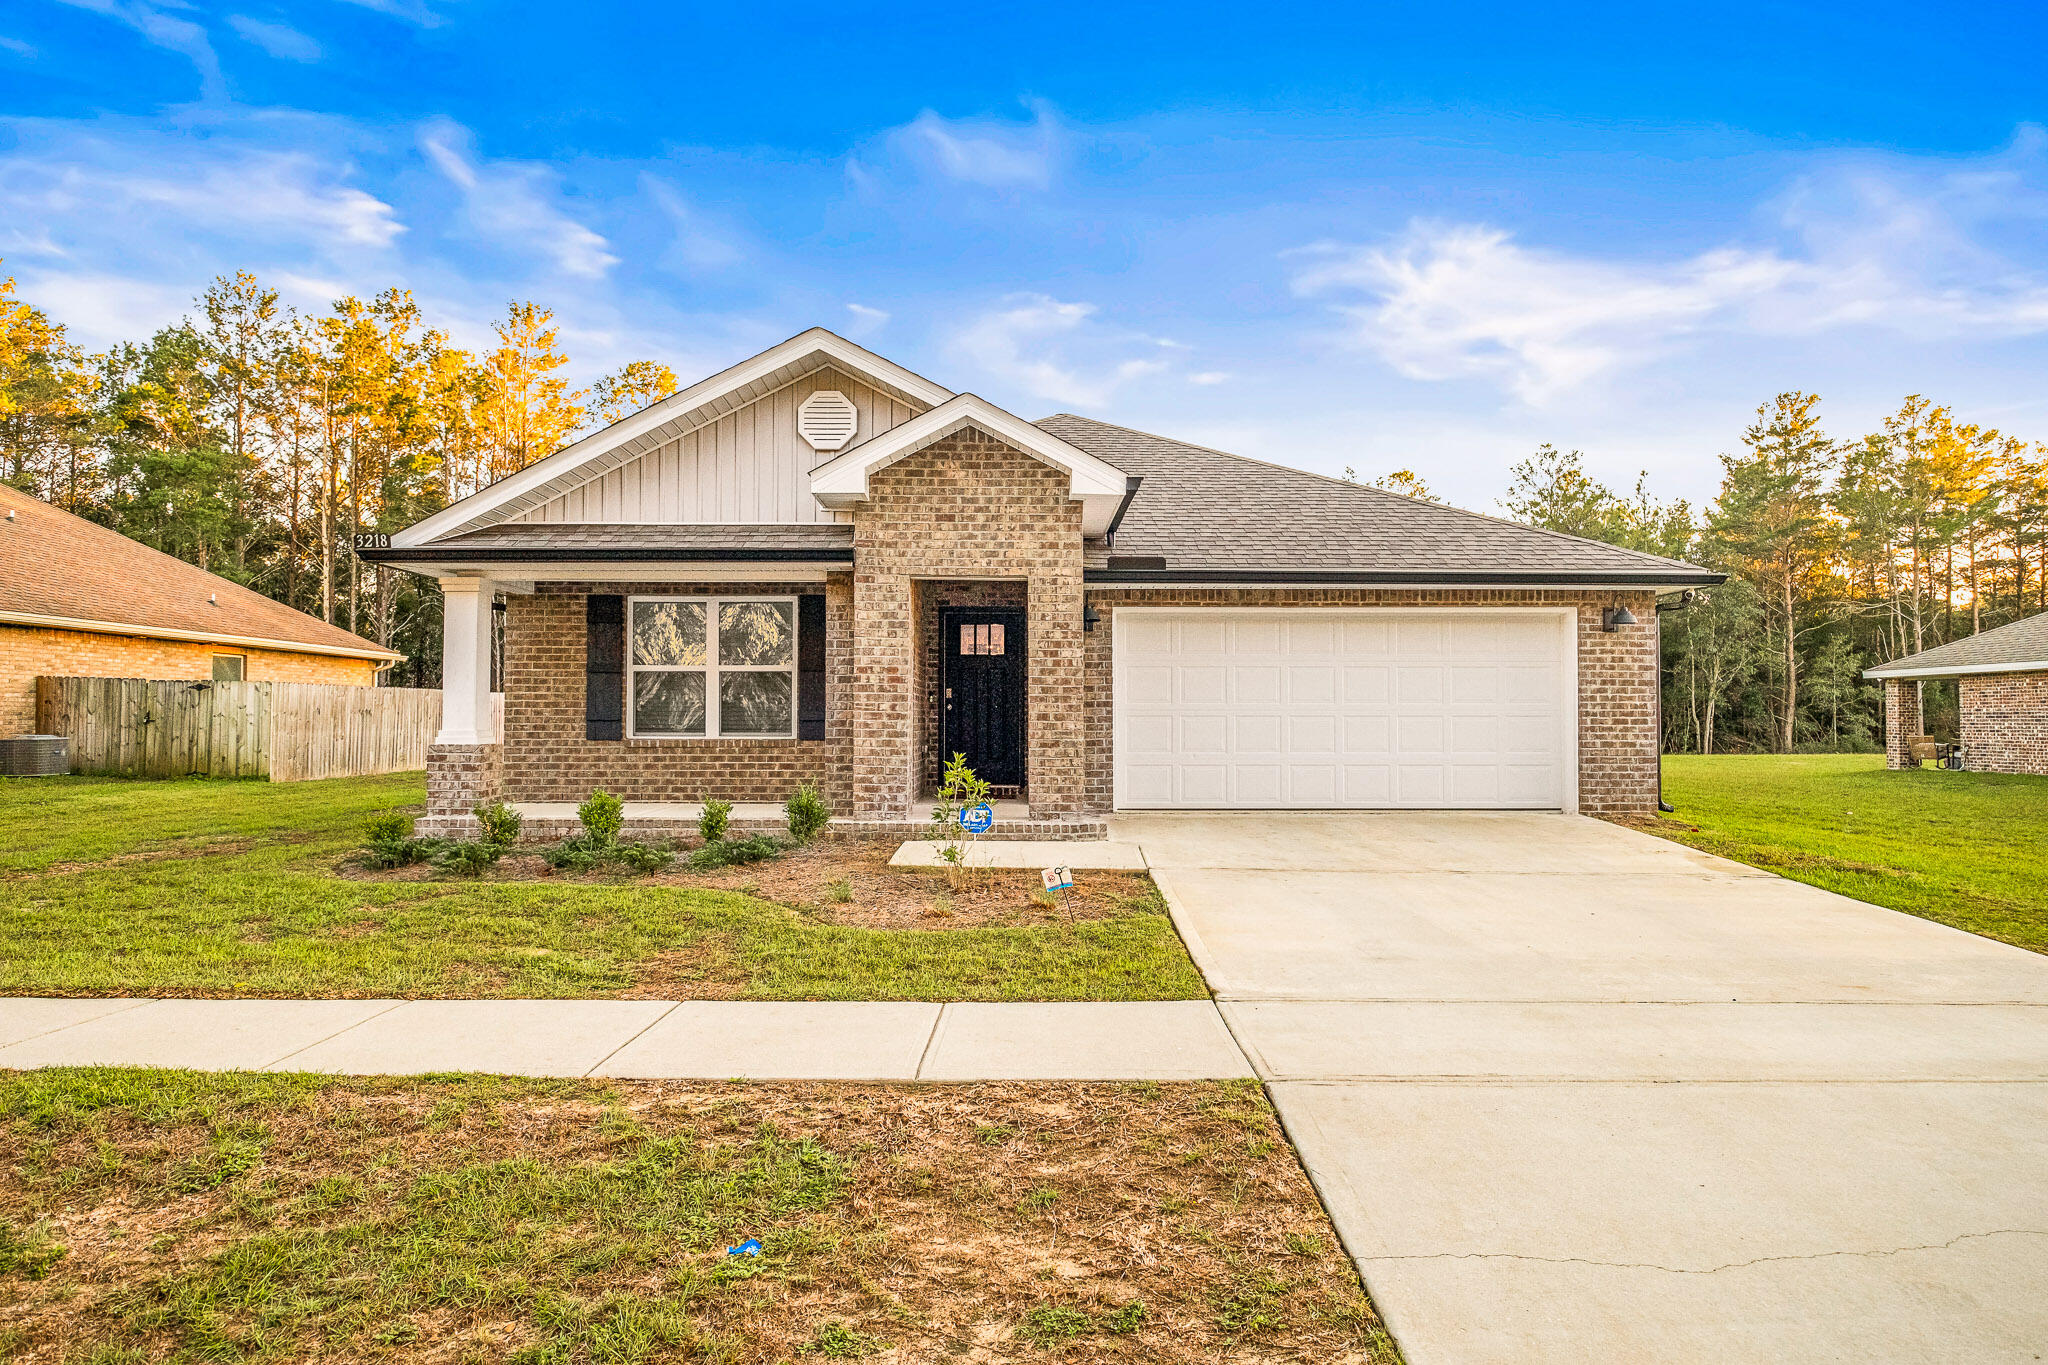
(711,1039)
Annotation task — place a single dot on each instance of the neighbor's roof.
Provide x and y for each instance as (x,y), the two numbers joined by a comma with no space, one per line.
(2021,647)
(64,571)
(830,542)
(1211,517)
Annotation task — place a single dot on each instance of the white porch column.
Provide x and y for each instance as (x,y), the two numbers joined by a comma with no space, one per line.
(466,662)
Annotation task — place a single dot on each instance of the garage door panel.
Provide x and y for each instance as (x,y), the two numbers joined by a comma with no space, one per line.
(1315,709)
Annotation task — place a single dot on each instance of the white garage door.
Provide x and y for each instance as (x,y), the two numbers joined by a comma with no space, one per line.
(1311,709)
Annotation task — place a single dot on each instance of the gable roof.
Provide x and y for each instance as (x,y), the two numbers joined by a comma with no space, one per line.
(663,421)
(63,571)
(2021,647)
(1098,485)
(1211,515)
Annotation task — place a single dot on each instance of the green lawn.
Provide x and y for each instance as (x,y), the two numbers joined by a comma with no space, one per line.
(230,888)
(172,1216)
(1967,849)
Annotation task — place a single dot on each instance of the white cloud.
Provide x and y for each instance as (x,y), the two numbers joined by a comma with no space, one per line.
(698,245)
(1876,244)
(280,40)
(1056,351)
(17,45)
(289,195)
(412,11)
(1209,378)
(513,203)
(994,153)
(866,321)
(166,31)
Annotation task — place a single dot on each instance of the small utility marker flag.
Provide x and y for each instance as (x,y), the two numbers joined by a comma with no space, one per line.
(1058,878)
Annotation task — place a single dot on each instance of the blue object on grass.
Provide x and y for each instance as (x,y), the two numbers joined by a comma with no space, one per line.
(978,819)
(750,1247)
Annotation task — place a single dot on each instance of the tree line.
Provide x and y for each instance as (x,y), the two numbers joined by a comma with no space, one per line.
(1840,554)
(257,442)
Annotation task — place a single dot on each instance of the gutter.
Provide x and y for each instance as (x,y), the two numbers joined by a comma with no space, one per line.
(1176,578)
(1954,670)
(515,554)
(203,637)
(1131,482)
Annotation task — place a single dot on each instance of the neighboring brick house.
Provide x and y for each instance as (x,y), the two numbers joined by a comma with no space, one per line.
(818,566)
(2001,679)
(78,600)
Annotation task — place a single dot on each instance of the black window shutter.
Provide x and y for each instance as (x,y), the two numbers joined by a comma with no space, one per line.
(604,667)
(810,666)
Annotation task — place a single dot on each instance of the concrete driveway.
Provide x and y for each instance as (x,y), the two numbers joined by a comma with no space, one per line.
(1574,1093)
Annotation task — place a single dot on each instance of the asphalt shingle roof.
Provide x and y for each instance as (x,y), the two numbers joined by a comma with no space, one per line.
(2021,643)
(1205,511)
(55,564)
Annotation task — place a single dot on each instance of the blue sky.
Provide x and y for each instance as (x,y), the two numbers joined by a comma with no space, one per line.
(1371,236)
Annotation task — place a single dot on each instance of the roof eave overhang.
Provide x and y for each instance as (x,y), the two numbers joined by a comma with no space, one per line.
(1097,485)
(1477,578)
(204,637)
(566,464)
(1956,670)
(514,554)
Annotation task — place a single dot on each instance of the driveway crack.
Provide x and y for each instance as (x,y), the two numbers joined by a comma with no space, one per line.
(1694,1270)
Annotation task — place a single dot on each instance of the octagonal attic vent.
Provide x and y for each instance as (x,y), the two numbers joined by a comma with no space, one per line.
(827,419)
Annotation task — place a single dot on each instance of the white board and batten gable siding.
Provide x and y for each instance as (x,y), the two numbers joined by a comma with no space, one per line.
(750,466)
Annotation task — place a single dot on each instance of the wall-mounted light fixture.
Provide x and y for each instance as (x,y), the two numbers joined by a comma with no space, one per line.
(1090,618)
(1614,618)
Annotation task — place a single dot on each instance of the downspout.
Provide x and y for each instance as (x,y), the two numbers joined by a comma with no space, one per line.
(1685,599)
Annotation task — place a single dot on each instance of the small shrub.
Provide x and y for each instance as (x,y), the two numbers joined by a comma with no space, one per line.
(466,859)
(644,858)
(572,855)
(711,824)
(960,790)
(755,848)
(603,816)
(500,824)
(390,841)
(808,813)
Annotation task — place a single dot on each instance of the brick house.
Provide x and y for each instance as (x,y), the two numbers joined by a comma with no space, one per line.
(78,600)
(2001,681)
(820,566)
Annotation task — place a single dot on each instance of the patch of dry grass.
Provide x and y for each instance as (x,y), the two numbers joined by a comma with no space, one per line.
(170,1215)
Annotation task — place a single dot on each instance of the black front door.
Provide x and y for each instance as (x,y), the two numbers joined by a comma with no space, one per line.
(981,689)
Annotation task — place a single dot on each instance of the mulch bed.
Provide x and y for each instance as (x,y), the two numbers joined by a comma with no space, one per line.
(845,880)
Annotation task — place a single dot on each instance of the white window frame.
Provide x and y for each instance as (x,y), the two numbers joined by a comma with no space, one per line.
(714,722)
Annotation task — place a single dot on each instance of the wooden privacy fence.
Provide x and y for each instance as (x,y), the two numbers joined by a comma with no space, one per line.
(287,732)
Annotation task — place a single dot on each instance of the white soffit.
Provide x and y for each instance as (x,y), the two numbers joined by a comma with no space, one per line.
(661,422)
(1096,484)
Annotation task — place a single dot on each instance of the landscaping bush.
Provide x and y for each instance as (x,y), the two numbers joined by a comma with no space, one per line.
(808,813)
(645,858)
(391,843)
(467,859)
(711,824)
(603,816)
(573,855)
(500,824)
(755,848)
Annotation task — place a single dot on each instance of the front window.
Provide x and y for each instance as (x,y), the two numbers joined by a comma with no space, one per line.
(703,667)
(229,667)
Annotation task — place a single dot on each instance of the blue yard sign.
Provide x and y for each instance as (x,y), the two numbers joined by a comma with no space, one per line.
(978,819)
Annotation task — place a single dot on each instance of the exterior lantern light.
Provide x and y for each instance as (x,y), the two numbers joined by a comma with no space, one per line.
(1090,618)
(1614,618)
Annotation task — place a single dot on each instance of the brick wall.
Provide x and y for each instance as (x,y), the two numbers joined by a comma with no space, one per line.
(461,777)
(1618,738)
(968,507)
(29,652)
(2005,722)
(548,759)
(1901,721)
